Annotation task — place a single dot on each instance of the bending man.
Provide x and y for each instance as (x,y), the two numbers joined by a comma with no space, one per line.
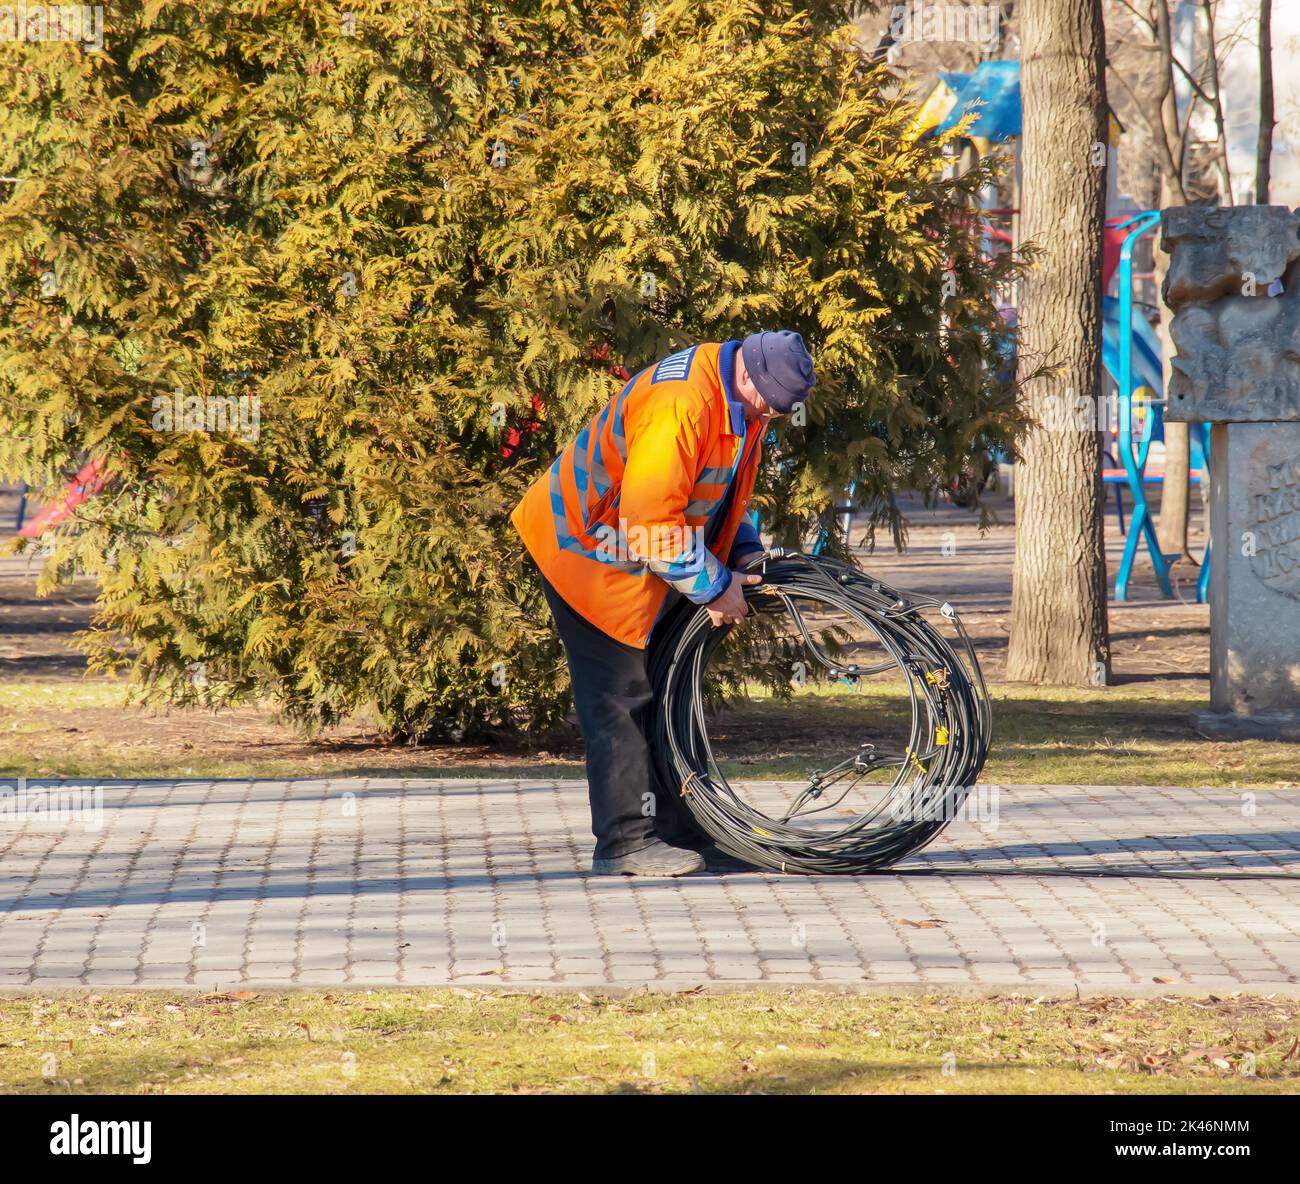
(648,504)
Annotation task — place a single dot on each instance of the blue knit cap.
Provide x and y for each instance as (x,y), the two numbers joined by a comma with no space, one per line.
(780,367)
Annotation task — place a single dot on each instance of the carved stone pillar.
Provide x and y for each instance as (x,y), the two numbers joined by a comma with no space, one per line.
(1234,289)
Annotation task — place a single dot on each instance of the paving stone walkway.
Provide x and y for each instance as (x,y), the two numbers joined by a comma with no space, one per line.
(427,882)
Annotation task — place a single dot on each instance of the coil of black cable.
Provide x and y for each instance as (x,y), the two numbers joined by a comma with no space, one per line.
(936,767)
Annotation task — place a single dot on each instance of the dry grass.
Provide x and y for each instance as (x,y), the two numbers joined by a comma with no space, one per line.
(456,1041)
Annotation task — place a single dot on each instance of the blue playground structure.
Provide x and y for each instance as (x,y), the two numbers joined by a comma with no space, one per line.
(1133,360)
(1131,351)
(1131,354)
(991,94)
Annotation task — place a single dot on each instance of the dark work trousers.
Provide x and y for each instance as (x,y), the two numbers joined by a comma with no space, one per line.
(611,692)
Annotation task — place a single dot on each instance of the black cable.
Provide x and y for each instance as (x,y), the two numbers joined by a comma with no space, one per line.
(948,739)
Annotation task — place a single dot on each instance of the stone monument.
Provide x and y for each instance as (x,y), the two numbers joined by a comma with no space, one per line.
(1234,289)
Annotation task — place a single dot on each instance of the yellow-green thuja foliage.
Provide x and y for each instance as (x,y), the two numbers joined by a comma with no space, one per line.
(299,274)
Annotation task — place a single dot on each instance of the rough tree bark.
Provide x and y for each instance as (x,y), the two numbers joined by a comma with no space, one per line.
(1058,599)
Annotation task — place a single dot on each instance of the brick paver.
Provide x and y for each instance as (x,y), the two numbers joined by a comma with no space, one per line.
(426,882)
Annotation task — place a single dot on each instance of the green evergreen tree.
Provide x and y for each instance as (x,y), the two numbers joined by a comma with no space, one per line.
(410,246)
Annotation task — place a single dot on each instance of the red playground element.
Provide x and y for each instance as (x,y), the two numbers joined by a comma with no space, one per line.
(515,436)
(1113,235)
(85,484)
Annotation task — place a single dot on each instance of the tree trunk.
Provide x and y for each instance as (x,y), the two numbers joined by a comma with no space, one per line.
(1171,523)
(1264,146)
(1175,492)
(1216,94)
(1058,597)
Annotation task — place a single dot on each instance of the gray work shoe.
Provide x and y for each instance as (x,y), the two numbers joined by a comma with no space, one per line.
(658,859)
(720,862)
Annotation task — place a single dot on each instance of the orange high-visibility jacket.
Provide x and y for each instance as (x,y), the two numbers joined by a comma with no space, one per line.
(651,494)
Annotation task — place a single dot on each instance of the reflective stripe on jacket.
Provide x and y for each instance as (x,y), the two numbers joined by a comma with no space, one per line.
(643,499)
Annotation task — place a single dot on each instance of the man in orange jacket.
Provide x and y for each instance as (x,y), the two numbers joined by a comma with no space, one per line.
(647,505)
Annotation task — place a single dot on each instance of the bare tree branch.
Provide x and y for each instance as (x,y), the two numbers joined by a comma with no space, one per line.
(1196,86)
(1145,20)
(1156,130)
